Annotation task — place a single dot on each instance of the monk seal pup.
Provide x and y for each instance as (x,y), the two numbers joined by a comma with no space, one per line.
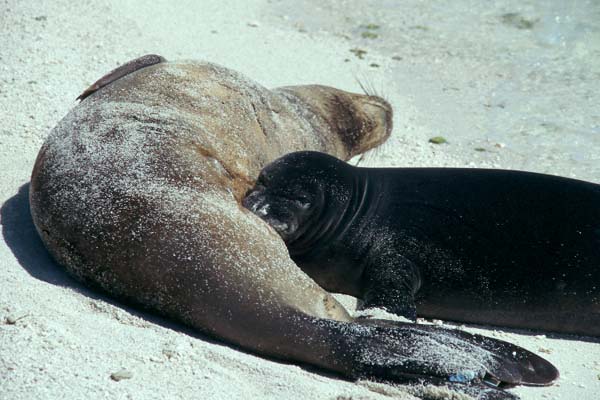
(137,192)
(507,248)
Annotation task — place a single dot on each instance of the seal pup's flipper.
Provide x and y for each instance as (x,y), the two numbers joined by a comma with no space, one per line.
(392,285)
(121,71)
(505,364)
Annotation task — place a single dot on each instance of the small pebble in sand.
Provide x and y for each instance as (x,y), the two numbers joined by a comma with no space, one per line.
(253,24)
(120,375)
(12,319)
(374,65)
(300,27)
(169,353)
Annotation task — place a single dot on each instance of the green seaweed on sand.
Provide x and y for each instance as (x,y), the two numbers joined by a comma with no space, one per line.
(516,20)
(438,140)
(369,35)
(360,53)
(370,27)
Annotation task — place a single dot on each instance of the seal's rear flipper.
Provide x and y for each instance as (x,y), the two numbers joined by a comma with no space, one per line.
(505,365)
(422,389)
(480,392)
(532,370)
(125,69)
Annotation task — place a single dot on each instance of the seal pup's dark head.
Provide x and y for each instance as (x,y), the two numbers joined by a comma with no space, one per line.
(296,189)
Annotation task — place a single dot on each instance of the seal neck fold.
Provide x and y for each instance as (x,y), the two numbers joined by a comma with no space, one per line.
(345,203)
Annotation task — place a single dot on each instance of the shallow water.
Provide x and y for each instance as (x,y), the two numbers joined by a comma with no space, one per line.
(514,83)
(553,99)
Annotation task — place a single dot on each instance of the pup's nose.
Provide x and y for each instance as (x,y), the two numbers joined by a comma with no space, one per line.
(254,200)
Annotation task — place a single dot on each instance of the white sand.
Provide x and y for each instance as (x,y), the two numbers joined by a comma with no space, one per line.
(529,97)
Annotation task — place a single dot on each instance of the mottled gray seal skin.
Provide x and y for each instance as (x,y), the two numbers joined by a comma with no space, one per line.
(137,192)
(507,248)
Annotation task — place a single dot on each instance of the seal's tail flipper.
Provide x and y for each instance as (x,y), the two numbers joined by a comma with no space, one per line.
(514,364)
(474,358)
(477,392)
(125,69)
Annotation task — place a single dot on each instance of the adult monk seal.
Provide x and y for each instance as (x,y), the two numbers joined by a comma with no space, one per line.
(137,191)
(498,247)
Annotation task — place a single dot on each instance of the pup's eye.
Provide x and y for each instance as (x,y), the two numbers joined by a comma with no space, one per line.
(303,203)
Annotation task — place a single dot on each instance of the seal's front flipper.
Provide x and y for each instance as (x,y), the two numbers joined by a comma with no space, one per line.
(119,72)
(395,302)
(391,284)
(504,364)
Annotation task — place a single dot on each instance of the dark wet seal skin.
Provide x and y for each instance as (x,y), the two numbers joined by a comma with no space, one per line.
(137,192)
(507,248)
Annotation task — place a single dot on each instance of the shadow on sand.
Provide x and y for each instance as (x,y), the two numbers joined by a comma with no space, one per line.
(22,239)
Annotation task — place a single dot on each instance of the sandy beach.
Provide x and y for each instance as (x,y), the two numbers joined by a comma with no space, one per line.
(508,84)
